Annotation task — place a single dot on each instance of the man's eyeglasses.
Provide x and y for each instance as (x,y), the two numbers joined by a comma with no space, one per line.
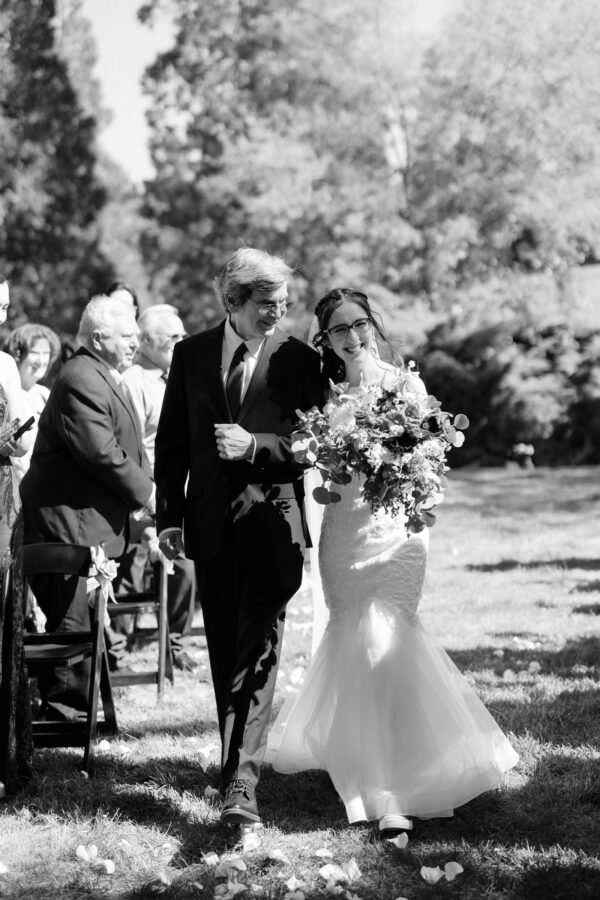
(272,308)
(360,326)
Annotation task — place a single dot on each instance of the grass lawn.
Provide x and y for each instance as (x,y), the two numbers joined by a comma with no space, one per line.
(513,593)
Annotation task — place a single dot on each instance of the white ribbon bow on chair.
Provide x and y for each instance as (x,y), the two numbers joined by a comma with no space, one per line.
(101,574)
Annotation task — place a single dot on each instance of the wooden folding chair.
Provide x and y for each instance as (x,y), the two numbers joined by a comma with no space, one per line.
(154,601)
(69,648)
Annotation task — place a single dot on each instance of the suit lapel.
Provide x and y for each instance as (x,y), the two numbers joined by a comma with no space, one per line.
(213,361)
(118,390)
(258,381)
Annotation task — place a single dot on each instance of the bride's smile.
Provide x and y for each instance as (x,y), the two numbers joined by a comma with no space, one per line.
(351,336)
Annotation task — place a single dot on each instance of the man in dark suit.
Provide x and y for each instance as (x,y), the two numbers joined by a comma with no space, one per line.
(88,471)
(225,472)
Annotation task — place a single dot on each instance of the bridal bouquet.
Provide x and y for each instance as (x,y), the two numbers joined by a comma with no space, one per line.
(395,437)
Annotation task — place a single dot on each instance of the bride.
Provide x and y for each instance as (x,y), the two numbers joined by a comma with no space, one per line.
(382,709)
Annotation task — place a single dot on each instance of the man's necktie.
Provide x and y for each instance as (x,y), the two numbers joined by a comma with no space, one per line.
(235,377)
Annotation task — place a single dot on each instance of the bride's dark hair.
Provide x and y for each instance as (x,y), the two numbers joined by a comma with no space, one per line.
(333,366)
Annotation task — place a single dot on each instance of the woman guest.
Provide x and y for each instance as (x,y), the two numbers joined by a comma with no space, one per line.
(35,348)
(13,412)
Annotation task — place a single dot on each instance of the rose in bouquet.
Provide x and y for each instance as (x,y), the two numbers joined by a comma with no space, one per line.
(396,438)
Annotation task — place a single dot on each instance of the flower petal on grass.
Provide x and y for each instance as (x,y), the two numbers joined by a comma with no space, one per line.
(250,842)
(279,856)
(400,841)
(3,869)
(211,793)
(294,884)
(534,667)
(108,866)
(296,675)
(352,870)
(82,853)
(331,872)
(230,866)
(431,875)
(210,859)
(452,869)
(323,851)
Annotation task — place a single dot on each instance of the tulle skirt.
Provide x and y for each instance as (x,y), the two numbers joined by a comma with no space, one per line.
(388,715)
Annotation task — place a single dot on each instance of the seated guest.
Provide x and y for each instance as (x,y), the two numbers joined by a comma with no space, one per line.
(160,329)
(88,471)
(35,349)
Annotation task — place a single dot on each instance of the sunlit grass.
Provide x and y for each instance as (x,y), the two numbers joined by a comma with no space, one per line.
(513,593)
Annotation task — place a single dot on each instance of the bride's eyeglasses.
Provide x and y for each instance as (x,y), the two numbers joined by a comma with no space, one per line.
(360,326)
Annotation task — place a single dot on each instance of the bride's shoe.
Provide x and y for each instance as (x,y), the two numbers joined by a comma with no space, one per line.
(395,822)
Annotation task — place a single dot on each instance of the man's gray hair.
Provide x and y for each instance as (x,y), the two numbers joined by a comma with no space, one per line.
(249,269)
(152,316)
(99,315)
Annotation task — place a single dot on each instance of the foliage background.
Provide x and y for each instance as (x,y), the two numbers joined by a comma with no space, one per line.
(453,175)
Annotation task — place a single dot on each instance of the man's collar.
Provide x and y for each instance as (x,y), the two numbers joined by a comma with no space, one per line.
(100,359)
(233,339)
(144,363)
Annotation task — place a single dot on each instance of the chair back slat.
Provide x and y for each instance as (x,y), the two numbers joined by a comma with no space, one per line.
(65,559)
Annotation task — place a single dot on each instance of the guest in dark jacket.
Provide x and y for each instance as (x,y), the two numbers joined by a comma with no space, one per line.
(88,471)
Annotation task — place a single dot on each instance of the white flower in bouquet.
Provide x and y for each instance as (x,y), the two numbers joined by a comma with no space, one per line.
(395,438)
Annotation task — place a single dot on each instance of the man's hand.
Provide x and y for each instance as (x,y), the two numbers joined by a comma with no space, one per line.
(233,442)
(171,544)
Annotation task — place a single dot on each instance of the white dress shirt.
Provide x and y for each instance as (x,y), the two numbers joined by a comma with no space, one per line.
(231,341)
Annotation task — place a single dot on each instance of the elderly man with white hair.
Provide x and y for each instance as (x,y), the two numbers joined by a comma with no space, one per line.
(88,472)
(160,329)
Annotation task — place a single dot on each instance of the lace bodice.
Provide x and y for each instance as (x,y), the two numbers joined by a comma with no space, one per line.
(369,560)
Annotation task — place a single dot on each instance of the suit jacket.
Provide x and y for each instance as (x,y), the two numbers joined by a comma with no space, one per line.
(88,468)
(198,489)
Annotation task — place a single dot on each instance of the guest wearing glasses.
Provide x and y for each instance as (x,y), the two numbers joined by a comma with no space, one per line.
(160,329)
(226,473)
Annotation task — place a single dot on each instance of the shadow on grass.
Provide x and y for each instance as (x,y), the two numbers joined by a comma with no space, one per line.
(507,565)
(574,660)
(570,717)
(521,491)
(148,793)
(588,609)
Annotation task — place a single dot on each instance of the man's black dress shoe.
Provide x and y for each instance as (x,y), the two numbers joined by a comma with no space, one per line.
(239,806)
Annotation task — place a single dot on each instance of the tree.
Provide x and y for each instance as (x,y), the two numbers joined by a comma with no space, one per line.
(268,128)
(506,146)
(50,196)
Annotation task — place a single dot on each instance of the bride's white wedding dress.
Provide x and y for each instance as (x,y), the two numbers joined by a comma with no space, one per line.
(383,709)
